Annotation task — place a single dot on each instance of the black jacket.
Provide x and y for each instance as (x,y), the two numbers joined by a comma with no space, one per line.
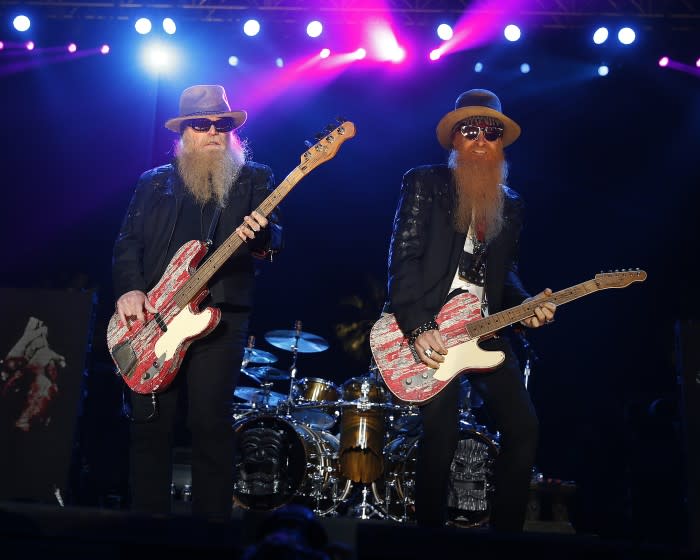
(143,248)
(425,250)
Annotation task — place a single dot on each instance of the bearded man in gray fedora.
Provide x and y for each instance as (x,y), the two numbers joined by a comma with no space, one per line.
(208,192)
(456,231)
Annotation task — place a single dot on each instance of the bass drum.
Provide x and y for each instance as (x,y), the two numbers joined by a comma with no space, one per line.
(471,478)
(280,461)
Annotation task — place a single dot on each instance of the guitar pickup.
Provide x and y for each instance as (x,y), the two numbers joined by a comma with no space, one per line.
(419,379)
(160,322)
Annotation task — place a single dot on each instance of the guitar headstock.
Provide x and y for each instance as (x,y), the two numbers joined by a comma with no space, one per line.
(328,144)
(619,278)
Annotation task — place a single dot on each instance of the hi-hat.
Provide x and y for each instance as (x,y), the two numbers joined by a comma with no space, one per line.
(255,356)
(303,341)
(266,373)
(259,396)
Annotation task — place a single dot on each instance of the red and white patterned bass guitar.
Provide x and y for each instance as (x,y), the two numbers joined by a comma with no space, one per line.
(462,327)
(148,354)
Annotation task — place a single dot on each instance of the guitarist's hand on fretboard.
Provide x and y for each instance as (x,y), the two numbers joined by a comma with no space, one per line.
(544,313)
(131,306)
(251,225)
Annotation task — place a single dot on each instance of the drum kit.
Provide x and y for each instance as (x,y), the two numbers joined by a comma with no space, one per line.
(347,449)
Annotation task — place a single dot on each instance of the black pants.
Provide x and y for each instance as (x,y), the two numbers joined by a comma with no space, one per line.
(511,412)
(209,374)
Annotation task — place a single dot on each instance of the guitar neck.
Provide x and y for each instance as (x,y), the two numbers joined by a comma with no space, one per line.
(492,323)
(201,277)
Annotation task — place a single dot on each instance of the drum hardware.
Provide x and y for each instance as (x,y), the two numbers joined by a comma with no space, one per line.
(296,340)
(314,402)
(252,355)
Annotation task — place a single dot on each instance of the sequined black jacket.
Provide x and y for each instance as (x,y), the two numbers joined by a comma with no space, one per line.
(425,250)
(143,248)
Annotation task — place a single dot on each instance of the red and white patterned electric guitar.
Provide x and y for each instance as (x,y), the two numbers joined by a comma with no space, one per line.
(462,327)
(148,354)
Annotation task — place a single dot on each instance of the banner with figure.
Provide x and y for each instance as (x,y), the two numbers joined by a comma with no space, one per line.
(45,336)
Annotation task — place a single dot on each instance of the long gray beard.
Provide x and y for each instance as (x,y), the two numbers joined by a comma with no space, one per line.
(479,195)
(210,175)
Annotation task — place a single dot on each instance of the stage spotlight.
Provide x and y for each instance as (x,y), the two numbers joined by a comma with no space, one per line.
(29,45)
(21,23)
(169,26)
(279,62)
(325,53)
(72,48)
(697,62)
(314,29)
(251,27)
(603,70)
(158,57)
(511,32)
(233,60)
(359,54)
(143,26)
(478,67)
(104,49)
(524,68)
(434,54)
(626,36)
(600,35)
(2,45)
(445,32)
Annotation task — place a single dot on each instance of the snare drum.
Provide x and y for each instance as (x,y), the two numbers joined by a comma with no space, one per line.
(279,461)
(362,429)
(314,400)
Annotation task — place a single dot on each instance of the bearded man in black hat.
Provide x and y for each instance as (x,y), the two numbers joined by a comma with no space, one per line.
(456,230)
(208,192)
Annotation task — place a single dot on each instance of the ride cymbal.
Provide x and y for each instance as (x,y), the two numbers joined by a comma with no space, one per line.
(256,356)
(266,373)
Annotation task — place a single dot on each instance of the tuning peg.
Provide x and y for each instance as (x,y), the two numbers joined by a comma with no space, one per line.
(341,120)
(319,136)
(308,143)
(329,128)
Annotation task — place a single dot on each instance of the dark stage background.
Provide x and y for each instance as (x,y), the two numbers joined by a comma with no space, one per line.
(607,168)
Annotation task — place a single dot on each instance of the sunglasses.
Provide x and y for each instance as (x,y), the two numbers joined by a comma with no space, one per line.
(225,124)
(471,132)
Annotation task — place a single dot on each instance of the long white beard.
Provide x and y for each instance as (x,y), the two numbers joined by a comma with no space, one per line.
(210,175)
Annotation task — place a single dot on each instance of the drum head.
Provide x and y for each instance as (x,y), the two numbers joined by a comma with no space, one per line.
(269,462)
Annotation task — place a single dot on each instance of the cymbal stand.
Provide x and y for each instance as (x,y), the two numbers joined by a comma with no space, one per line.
(246,355)
(293,367)
(365,510)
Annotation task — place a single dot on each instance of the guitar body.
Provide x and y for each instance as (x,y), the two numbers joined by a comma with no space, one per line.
(411,380)
(148,354)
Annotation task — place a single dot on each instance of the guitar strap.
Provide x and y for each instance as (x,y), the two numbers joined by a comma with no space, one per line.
(212,228)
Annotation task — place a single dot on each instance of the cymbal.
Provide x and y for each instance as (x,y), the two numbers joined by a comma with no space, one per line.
(287,340)
(256,356)
(266,373)
(259,396)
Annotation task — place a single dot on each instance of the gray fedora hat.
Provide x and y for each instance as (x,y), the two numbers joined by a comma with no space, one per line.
(205,101)
(476,103)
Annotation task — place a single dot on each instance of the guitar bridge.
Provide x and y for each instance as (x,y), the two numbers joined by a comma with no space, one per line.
(125,358)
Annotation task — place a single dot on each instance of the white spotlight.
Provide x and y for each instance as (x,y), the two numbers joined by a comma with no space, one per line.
(325,53)
(603,70)
(169,26)
(314,29)
(600,35)
(511,32)
(21,23)
(279,62)
(445,32)
(359,54)
(478,67)
(233,60)
(626,36)
(104,49)
(524,68)
(251,27)
(143,26)
(72,48)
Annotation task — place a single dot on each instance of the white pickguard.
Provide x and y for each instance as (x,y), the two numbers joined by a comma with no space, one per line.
(467,355)
(183,326)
